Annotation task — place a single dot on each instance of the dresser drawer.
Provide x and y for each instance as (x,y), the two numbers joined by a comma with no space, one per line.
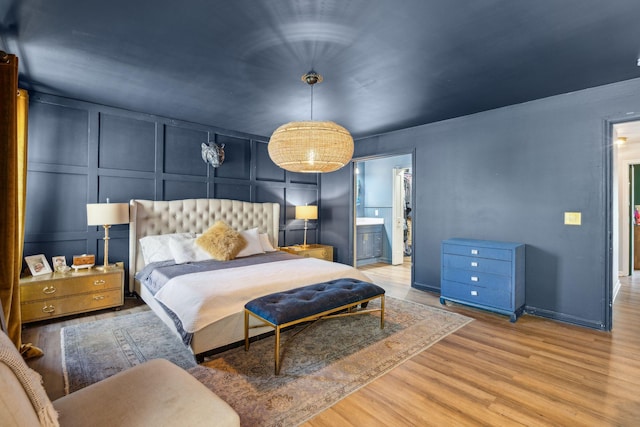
(478,278)
(477,251)
(69,285)
(45,309)
(477,264)
(477,295)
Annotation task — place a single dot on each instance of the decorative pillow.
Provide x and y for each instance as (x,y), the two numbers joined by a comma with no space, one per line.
(253,243)
(156,248)
(266,243)
(221,241)
(187,251)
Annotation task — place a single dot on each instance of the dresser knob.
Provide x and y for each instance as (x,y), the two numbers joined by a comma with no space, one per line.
(48,309)
(98,297)
(474,264)
(99,282)
(474,278)
(49,289)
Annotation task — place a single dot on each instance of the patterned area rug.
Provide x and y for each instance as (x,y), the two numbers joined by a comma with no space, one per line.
(321,365)
(96,350)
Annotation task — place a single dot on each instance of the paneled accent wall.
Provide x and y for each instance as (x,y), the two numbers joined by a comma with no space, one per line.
(82,153)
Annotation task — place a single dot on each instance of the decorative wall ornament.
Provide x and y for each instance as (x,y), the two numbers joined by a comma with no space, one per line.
(213,153)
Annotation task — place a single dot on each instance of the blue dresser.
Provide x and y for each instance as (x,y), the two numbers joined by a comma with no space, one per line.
(484,274)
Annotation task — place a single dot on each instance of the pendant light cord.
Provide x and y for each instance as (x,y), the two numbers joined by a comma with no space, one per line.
(311,102)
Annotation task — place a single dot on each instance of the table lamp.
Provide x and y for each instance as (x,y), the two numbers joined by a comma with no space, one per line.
(107,214)
(306,213)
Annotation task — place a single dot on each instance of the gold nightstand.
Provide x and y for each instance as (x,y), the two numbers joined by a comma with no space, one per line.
(311,251)
(60,294)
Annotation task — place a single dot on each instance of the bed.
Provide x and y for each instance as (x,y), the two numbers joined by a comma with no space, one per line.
(220,322)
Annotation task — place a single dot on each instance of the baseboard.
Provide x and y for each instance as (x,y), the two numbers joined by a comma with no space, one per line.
(549,314)
(425,287)
(565,318)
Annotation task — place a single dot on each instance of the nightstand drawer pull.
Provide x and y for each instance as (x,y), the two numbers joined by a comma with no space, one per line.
(98,297)
(474,278)
(99,282)
(474,252)
(474,264)
(49,290)
(48,309)
(474,293)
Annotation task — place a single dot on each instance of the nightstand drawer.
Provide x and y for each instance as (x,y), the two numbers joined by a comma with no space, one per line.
(490,297)
(39,310)
(324,252)
(68,285)
(321,253)
(493,266)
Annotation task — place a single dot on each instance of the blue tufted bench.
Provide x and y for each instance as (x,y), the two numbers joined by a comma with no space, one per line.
(335,298)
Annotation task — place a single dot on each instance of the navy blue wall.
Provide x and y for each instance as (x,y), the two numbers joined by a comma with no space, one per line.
(510,174)
(83,153)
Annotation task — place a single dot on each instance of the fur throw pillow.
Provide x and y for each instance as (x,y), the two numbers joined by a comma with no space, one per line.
(221,241)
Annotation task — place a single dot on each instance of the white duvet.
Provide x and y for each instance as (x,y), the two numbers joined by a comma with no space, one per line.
(200,299)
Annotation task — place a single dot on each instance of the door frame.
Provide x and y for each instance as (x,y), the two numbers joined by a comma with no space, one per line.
(630,217)
(398,210)
(414,213)
(612,232)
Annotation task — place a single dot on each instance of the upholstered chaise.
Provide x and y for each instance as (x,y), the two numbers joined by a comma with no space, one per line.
(155,393)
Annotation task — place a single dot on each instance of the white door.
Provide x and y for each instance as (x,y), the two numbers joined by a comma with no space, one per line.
(397,231)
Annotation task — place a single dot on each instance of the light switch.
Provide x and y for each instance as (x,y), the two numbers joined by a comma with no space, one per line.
(573,218)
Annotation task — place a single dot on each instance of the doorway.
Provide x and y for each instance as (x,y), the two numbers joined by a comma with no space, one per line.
(626,152)
(383,226)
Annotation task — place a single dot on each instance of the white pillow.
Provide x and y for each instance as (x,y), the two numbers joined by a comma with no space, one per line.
(156,248)
(266,243)
(187,251)
(253,243)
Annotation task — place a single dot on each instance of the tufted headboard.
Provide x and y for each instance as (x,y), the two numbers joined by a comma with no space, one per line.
(149,217)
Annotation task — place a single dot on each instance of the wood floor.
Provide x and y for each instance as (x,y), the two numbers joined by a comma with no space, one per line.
(534,372)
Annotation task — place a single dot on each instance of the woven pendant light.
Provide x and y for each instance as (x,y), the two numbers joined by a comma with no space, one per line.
(311,146)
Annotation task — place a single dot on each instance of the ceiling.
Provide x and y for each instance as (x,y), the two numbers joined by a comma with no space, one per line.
(628,130)
(387,64)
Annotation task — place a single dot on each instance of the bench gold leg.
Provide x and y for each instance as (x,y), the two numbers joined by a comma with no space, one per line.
(246,330)
(382,312)
(277,353)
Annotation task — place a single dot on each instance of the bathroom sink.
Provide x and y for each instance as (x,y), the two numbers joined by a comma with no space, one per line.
(369,221)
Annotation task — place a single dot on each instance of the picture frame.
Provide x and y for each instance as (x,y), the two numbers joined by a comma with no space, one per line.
(59,262)
(38,264)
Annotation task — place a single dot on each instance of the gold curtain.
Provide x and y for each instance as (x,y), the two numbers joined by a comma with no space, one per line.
(13,169)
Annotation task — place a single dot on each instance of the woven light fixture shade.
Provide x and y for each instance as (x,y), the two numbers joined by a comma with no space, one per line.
(311,146)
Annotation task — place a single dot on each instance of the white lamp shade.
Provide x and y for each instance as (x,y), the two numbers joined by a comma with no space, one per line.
(107,213)
(306,212)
